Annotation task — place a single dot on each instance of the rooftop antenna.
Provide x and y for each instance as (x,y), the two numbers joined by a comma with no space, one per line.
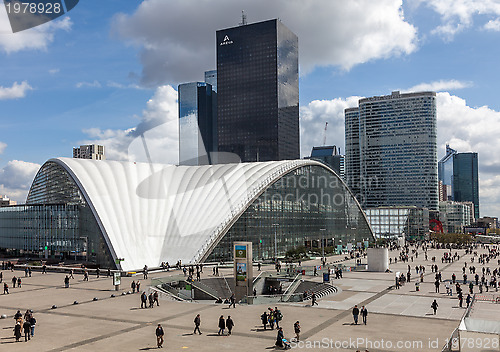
(243,19)
(324,133)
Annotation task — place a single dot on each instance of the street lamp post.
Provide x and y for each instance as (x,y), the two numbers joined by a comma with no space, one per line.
(275,242)
(323,242)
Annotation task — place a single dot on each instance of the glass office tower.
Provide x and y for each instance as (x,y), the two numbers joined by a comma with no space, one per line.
(445,173)
(352,165)
(397,150)
(258,92)
(466,180)
(197,123)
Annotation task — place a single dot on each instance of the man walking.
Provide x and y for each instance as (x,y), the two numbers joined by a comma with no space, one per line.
(296,328)
(313,299)
(434,306)
(159,336)
(222,325)
(232,301)
(132,285)
(364,314)
(144,300)
(355,314)
(32,324)
(197,323)
(27,330)
(229,324)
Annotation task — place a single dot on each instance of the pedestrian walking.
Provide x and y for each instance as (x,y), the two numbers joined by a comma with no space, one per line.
(434,306)
(364,314)
(138,286)
(17,331)
(155,299)
(145,272)
(279,338)
(468,300)
(132,286)
(313,299)
(229,324)
(27,330)
(19,282)
(159,336)
(355,314)
(5,288)
(277,317)
(151,300)
(71,274)
(264,318)
(197,323)
(98,272)
(32,323)
(232,301)
(222,325)
(296,329)
(144,300)
(66,281)
(14,281)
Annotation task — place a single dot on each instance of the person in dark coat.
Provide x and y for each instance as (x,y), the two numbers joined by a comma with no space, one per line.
(17,331)
(197,322)
(229,324)
(222,325)
(264,319)
(159,336)
(144,300)
(27,330)
(434,306)
(364,314)
(355,314)
(279,338)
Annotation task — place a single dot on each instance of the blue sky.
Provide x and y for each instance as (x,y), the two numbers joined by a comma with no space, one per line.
(100,70)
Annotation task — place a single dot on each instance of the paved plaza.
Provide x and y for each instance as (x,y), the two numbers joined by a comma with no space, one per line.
(398,320)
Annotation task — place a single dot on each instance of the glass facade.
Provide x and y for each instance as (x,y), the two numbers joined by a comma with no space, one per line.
(56,215)
(455,216)
(445,174)
(397,150)
(197,123)
(308,204)
(352,163)
(466,180)
(258,92)
(393,222)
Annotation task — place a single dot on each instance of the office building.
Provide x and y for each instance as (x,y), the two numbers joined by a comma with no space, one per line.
(352,157)
(92,152)
(445,175)
(454,216)
(6,202)
(188,213)
(329,155)
(397,150)
(258,91)
(197,123)
(408,222)
(211,78)
(466,179)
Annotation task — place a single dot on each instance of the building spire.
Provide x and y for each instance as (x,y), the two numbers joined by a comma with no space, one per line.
(243,19)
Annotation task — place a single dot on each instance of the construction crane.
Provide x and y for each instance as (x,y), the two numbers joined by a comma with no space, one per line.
(324,133)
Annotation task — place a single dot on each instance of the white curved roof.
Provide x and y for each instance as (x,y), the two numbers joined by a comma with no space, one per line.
(151,213)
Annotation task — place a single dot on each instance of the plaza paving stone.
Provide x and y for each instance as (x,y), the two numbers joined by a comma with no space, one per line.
(119,324)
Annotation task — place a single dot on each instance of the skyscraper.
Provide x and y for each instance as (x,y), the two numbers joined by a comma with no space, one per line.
(397,150)
(466,179)
(258,91)
(197,123)
(329,155)
(352,161)
(445,174)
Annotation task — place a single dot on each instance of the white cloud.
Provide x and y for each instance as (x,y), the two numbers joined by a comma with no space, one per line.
(177,37)
(18,90)
(456,15)
(464,127)
(123,86)
(94,84)
(16,178)
(35,38)
(159,126)
(313,118)
(493,25)
(441,85)
(53,71)
(2,147)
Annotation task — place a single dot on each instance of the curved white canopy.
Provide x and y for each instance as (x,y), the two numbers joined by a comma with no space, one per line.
(151,213)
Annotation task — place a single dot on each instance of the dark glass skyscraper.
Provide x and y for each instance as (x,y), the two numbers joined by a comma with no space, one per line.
(197,123)
(258,91)
(466,180)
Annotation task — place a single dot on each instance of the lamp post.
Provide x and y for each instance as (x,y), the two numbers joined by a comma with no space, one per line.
(322,243)
(275,242)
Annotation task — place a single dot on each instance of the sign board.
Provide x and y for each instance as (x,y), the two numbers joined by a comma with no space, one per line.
(240,251)
(117,279)
(243,269)
(326,277)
